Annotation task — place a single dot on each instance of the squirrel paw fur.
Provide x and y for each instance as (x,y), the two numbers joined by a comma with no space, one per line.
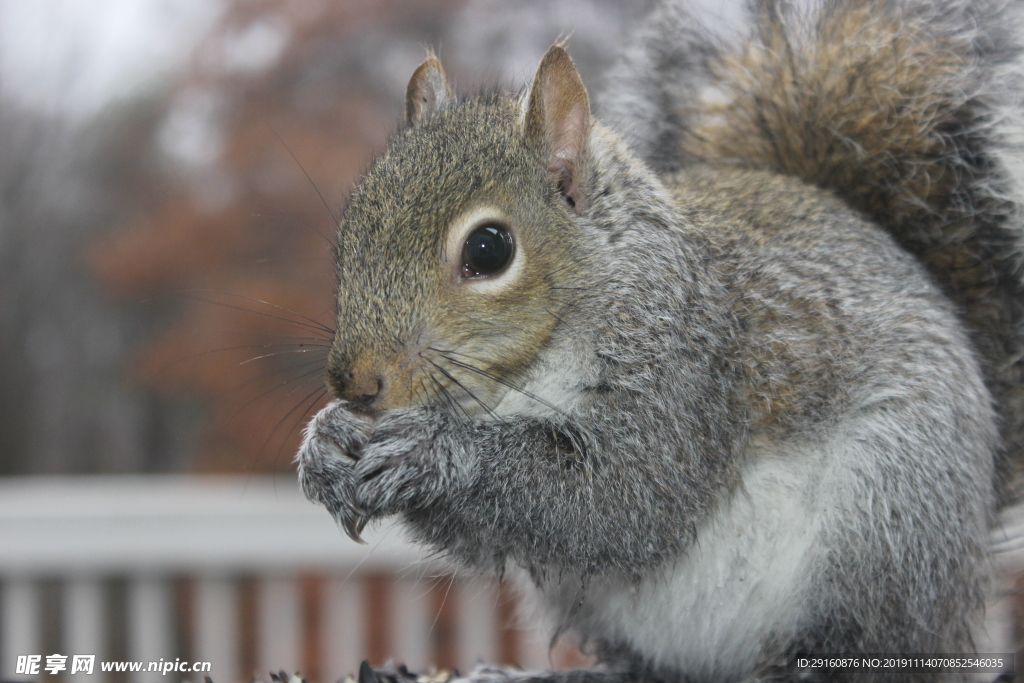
(392,462)
(331,447)
(362,470)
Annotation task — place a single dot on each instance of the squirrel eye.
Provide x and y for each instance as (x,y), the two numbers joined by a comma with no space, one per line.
(488,251)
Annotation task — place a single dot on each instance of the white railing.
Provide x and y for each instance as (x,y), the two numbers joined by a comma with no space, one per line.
(241,572)
(244,573)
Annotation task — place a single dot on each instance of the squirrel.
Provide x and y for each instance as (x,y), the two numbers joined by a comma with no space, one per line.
(731,371)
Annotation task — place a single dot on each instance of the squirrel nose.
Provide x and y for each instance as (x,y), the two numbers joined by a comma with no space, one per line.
(364,388)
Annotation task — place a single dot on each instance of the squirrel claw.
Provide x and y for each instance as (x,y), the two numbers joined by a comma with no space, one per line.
(354,529)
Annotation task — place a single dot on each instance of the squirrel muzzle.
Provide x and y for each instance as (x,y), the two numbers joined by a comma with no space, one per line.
(371,384)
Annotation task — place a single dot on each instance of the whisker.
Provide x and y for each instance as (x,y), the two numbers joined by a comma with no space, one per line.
(310,322)
(424,393)
(253,333)
(316,395)
(279,336)
(285,397)
(451,399)
(330,212)
(303,380)
(300,345)
(495,378)
(332,248)
(267,315)
(200,354)
(276,387)
(444,600)
(459,384)
(280,353)
(225,398)
(421,398)
(557,318)
(317,362)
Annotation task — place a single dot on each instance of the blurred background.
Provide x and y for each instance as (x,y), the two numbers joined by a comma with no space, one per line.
(170,176)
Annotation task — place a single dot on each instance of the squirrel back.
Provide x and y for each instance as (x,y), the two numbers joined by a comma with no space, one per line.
(909,112)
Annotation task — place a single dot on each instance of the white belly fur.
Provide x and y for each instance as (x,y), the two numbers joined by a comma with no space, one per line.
(709,612)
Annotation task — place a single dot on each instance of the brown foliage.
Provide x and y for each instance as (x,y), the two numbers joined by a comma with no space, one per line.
(219,237)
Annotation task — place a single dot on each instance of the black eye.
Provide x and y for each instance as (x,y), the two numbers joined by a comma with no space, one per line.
(488,250)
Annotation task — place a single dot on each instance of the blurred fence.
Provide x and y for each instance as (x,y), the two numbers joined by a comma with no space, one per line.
(241,572)
(244,573)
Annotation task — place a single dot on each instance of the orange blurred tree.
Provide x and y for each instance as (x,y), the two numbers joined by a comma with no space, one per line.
(282,103)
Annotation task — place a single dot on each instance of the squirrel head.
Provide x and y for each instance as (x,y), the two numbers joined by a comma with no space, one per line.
(460,245)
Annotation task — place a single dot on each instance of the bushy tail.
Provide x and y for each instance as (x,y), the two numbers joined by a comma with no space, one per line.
(908,111)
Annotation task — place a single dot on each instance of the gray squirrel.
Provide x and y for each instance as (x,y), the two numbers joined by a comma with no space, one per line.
(731,371)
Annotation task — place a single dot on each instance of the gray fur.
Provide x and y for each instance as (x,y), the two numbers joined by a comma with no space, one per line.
(968,122)
(721,390)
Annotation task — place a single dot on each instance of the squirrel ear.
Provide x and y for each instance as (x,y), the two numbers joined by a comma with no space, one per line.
(428,91)
(557,122)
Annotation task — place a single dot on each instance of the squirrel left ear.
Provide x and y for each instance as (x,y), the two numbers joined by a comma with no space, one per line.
(428,90)
(557,122)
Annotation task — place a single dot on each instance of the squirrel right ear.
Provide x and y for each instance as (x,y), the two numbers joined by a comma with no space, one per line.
(428,91)
(557,122)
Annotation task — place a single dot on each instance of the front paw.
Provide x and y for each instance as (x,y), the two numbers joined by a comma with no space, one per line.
(394,471)
(332,444)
